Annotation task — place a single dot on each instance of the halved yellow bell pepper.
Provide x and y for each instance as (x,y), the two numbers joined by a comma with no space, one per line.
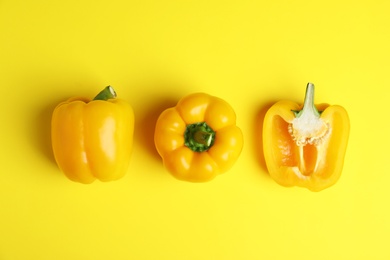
(305,146)
(198,138)
(93,139)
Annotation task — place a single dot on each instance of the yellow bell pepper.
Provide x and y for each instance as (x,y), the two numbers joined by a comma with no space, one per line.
(93,139)
(305,146)
(198,138)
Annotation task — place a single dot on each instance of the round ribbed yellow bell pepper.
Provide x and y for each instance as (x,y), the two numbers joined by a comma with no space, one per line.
(93,139)
(198,138)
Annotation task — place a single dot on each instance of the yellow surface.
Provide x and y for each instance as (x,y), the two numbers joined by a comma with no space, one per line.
(250,53)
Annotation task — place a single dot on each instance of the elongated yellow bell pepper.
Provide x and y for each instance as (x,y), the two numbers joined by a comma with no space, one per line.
(198,138)
(305,146)
(93,139)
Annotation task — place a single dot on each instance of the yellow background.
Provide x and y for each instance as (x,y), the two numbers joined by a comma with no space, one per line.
(250,53)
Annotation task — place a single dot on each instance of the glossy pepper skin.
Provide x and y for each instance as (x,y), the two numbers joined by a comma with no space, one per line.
(198,138)
(305,146)
(93,139)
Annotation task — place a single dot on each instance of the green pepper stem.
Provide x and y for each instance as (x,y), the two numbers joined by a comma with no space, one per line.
(107,93)
(199,137)
(308,105)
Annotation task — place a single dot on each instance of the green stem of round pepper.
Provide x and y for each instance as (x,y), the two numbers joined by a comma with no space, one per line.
(308,105)
(107,93)
(199,137)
